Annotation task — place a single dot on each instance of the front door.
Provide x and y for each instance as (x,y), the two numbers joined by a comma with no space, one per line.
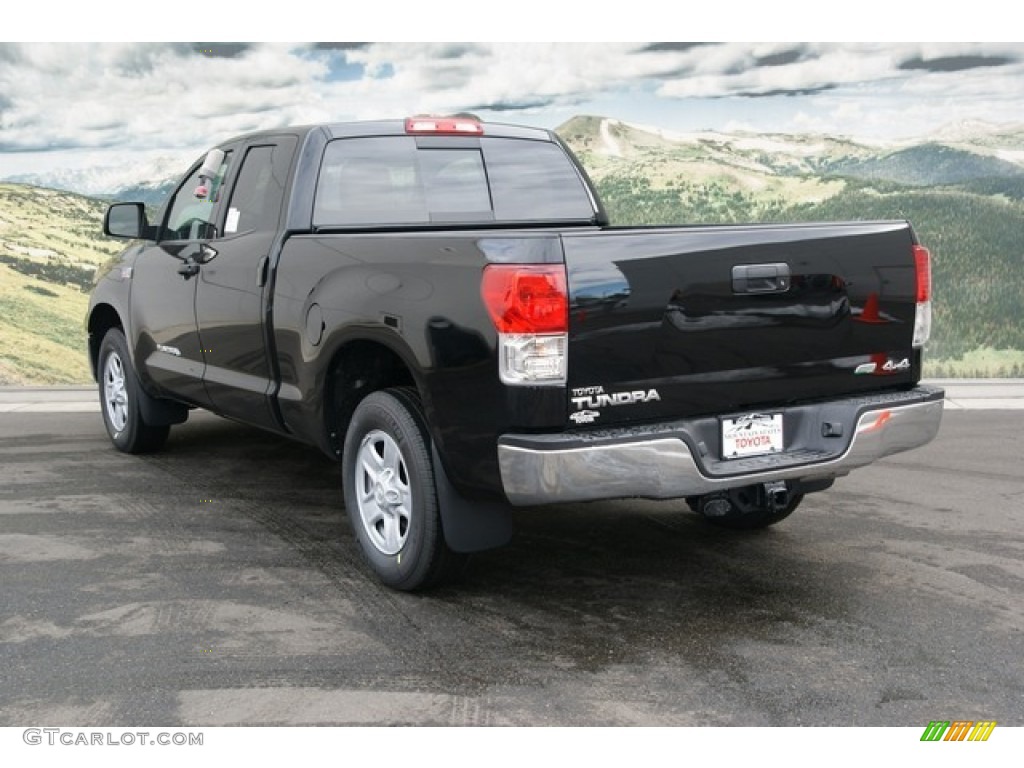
(230,300)
(163,323)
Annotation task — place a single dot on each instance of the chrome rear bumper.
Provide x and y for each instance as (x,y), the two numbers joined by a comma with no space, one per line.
(665,461)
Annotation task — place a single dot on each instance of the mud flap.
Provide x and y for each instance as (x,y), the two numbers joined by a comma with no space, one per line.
(158,412)
(470,526)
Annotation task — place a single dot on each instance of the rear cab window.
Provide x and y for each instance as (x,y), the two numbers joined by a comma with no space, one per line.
(402,181)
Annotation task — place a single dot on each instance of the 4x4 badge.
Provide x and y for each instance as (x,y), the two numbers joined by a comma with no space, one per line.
(889,366)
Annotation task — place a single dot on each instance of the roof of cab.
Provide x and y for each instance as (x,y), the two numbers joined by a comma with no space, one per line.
(390,128)
(397,128)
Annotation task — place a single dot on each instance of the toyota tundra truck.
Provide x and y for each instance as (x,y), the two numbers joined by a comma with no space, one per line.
(441,305)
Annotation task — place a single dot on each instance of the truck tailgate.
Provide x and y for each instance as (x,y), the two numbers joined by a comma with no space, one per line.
(677,322)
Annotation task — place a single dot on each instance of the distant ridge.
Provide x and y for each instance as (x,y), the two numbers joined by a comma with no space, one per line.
(147,178)
(955,154)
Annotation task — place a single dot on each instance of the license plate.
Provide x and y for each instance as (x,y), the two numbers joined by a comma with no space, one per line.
(751,435)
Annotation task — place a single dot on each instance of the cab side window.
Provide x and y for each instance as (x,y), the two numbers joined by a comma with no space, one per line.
(190,217)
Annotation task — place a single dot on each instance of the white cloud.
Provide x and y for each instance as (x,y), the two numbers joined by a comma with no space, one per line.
(135,95)
(173,99)
(747,69)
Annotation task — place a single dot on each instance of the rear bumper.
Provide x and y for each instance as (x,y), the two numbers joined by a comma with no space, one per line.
(678,459)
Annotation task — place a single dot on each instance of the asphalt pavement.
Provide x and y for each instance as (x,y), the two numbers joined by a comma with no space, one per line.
(217,583)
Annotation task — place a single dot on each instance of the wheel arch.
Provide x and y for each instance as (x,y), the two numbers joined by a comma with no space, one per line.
(358,367)
(102,318)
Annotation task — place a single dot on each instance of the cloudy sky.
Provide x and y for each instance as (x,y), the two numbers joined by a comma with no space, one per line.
(72,106)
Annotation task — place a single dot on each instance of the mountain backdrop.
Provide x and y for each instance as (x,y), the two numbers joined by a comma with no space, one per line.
(963,189)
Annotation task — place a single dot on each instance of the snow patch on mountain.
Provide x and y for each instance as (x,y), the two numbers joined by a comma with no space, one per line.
(1011,155)
(779,146)
(611,145)
(677,137)
(966,130)
(107,180)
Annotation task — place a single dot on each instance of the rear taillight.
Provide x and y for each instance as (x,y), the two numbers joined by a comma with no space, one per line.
(526,298)
(529,306)
(923,311)
(923,266)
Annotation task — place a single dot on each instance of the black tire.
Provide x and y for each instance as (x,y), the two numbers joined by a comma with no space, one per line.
(734,510)
(391,496)
(120,398)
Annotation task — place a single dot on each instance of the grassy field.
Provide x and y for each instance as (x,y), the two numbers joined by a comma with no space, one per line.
(41,331)
(50,245)
(978,364)
(38,223)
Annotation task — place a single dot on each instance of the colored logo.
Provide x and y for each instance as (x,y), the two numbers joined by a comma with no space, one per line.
(958,730)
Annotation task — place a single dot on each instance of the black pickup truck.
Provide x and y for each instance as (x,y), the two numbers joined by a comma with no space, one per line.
(441,305)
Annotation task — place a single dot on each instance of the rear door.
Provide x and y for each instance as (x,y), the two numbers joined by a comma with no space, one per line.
(666,323)
(230,298)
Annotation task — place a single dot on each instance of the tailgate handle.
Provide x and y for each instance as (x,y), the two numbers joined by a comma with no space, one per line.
(760,278)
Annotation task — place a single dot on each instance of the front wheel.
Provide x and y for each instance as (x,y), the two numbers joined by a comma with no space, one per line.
(390,493)
(120,397)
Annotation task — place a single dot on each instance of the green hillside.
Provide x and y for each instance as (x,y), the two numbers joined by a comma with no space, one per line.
(928,164)
(50,245)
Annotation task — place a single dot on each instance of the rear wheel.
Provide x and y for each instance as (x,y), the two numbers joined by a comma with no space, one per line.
(390,493)
(120,397)
(743,509)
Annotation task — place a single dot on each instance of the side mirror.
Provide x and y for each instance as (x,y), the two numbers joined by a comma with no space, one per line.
(127,220)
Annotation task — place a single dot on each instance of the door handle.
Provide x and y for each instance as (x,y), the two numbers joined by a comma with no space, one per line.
(761,278)
(188,268)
